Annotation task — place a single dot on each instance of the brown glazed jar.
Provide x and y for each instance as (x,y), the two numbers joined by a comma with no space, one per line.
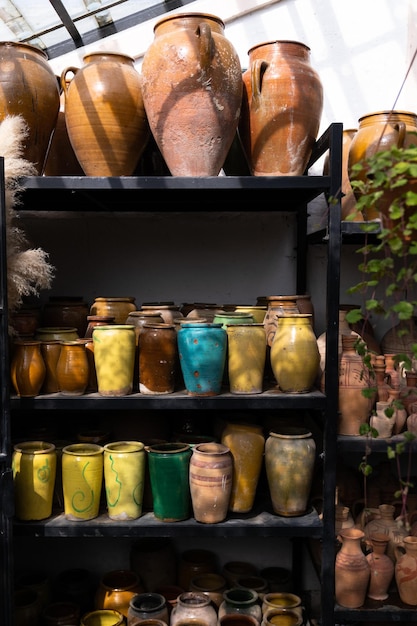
(158,355)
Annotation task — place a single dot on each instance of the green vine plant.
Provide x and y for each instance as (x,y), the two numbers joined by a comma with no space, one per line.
(387,181)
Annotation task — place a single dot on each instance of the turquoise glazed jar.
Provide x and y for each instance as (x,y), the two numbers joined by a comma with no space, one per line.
(169,476)
(202,352)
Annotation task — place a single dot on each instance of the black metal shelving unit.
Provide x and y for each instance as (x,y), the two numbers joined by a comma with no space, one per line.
(291,194)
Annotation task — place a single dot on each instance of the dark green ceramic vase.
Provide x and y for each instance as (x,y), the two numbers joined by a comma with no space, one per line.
(168,471)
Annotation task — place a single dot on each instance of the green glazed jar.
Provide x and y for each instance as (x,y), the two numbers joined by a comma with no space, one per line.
(169,476)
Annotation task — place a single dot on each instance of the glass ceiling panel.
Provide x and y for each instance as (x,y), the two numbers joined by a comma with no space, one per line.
(42,23)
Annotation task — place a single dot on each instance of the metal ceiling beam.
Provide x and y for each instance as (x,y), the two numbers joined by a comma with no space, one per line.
(159,8)
(67,21)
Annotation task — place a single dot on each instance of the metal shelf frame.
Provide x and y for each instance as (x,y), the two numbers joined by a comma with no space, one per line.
(291,194)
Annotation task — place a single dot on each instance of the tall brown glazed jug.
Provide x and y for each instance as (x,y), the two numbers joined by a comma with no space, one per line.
(28,87)
(192,91)
(104,114)
(281,108)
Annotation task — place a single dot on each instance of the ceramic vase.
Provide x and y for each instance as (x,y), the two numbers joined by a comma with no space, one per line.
(352,570)
(278,306)
(282,617)
(281,108)
(211,584)
(124,478)
(27,368)
(241,601)
(154,560)
(72,369)
(34,474)
(405,571)
(232,317)
(60,613)
(233,570)
(290,456)
(82,480)
(211,474)
(193,108)
(169,476)
(295,357)
(118,308)
(116,589)
(50,351)
(193,563)
(66,311)
(281,600)
(28,87)
(382,567)
(104,114)
(193,607)
(383,423)
(27,607)
(103,617)
(246,442)
(56,333)
(97,320)
(384,522)
(246,357)
(61,159)
(114,356)
(354,407)
(147,606)
(158,358)
(379,131)
(170,313)
(202,353)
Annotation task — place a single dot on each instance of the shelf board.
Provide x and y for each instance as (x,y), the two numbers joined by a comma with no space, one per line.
(179,400)
(390,610)
(355,443)
(352,233)
(169,193)
(253,524)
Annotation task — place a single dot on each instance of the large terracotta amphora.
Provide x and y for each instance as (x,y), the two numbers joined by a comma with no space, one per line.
(104,114)
(192,91)
(28,87)
(281,108)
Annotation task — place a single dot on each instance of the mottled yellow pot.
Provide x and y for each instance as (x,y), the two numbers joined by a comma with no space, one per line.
(82,479)
(34,473)
(246,443)
(295,357)
(289,463)
(246,357)
(124,474)
(114,356)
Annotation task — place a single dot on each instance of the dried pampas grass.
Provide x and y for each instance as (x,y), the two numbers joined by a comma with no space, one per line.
(28,269)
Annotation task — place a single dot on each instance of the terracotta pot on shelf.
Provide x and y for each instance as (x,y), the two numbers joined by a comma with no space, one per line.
(278,126)
(194,126)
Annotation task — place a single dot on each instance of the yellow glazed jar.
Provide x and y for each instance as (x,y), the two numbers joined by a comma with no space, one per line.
(114,356)
(246,443)
(295,357)
(34,473)
(82,480)
(124,478)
